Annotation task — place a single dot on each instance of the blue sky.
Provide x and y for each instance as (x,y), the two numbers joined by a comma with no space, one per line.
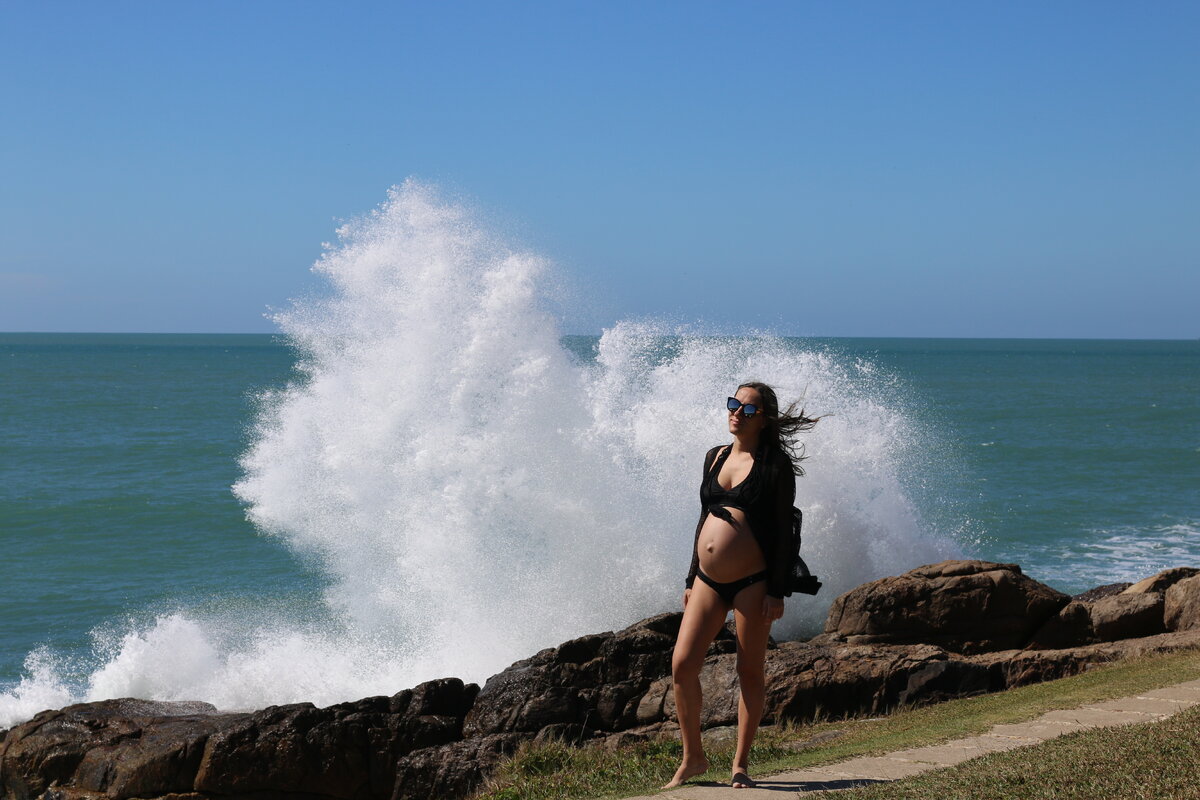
(823,169)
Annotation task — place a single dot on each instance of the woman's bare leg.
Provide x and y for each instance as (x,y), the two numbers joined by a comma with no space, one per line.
(702,619)
(753,629)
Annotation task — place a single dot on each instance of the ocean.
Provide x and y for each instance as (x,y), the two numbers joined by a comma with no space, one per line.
(421,476)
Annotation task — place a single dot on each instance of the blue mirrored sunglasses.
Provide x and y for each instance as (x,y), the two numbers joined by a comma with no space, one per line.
(748,409)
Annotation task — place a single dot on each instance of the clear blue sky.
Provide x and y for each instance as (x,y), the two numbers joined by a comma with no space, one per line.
(818,168)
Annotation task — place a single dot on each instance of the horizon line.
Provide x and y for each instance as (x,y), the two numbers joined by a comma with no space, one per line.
(597,335)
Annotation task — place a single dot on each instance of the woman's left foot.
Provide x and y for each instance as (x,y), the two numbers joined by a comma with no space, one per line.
(741,780)
(688,770)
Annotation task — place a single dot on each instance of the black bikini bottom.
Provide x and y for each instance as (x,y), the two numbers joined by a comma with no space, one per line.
(728,591)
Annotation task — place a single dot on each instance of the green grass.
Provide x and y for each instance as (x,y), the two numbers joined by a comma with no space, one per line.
(1151,761)
(564,772)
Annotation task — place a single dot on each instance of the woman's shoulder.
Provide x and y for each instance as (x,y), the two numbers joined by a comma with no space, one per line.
(712,453)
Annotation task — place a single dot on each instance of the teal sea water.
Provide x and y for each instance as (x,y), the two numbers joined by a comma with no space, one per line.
(1080,460)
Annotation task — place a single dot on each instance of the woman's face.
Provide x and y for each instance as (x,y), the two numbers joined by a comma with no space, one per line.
(739,423)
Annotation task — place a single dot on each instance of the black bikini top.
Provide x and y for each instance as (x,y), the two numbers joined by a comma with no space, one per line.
(743,495)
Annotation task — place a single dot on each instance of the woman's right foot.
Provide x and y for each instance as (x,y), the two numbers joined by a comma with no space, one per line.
(688,770)
(741,780)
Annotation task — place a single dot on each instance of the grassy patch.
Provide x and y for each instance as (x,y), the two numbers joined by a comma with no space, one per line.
(1139,762)
(561,771)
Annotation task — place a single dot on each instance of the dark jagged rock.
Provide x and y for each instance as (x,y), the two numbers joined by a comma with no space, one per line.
(965,606)
(1097,592)
(118,748)
(595,681)
(452,770)
(346,751)
(137,748)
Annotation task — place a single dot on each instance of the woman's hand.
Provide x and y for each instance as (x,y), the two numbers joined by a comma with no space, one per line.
(772,608)
(687,593)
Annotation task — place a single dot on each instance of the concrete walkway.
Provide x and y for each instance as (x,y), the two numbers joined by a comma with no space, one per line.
(1148,707)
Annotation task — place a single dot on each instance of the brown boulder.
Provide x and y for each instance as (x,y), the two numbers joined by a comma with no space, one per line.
(1126,616)
(1010,668)
(853,680)
(807,680)
(964,606)
(1182,605)
(1112,617)
(1159,583)
(1070,627)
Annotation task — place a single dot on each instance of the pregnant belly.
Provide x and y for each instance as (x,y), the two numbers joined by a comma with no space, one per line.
(727,550)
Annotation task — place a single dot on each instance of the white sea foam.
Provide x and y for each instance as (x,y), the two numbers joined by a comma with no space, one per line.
(1129,553)
(474,493)
(41,687)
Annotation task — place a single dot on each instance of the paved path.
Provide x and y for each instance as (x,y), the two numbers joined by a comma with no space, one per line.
(1148,707)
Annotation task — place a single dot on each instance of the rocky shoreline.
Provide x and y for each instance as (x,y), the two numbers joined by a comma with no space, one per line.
(946,630)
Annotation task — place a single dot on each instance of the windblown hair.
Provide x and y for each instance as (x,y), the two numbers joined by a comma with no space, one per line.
(780,428)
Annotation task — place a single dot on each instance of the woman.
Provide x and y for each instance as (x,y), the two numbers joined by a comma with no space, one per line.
(743,560)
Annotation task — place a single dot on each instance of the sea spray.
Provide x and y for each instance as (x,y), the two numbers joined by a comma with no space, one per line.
(473,491)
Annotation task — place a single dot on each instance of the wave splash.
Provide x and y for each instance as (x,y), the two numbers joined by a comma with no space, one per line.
(473,491)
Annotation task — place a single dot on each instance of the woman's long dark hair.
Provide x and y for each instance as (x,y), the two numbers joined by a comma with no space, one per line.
(780,429)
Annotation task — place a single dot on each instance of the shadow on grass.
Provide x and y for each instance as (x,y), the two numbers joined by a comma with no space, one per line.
(775,785)
(816,786)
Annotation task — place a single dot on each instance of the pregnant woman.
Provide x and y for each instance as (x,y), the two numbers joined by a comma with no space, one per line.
(743,561)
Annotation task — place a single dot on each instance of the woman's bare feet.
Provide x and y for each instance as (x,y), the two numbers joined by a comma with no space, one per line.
(741,780)
(688,770)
